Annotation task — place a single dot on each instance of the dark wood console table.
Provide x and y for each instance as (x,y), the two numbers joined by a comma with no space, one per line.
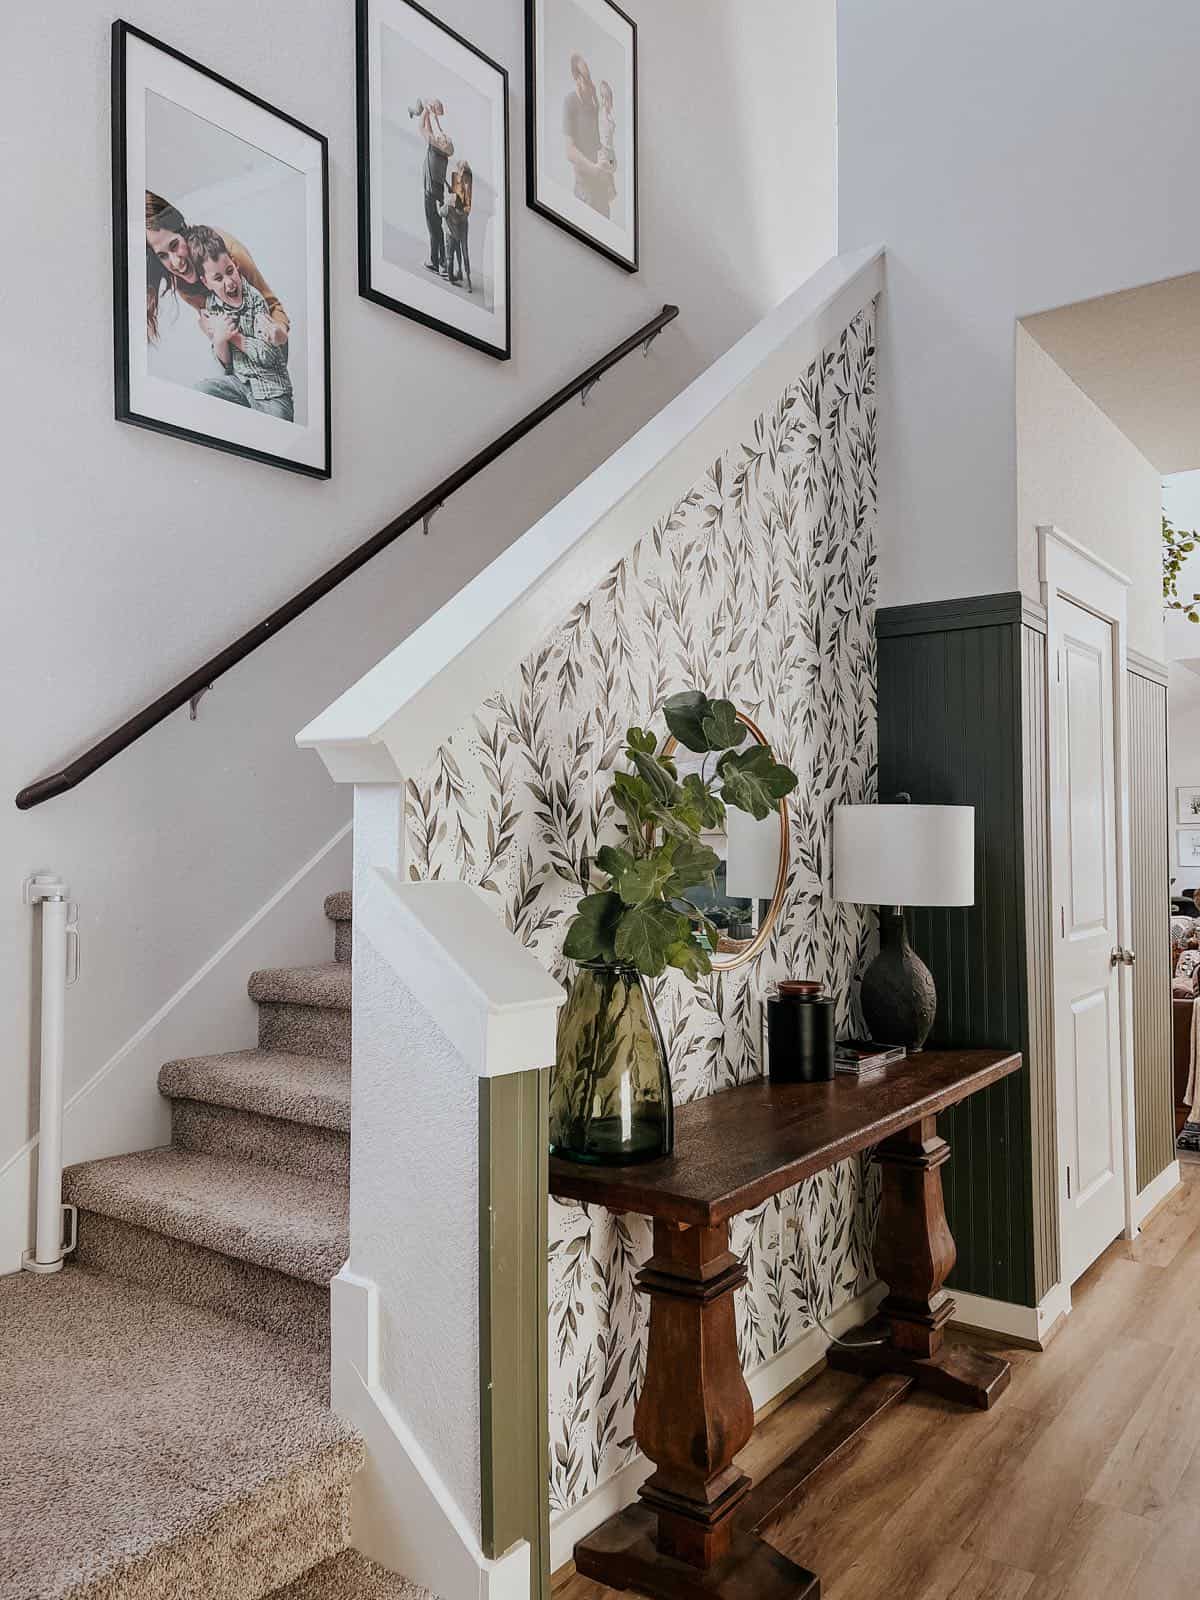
(695,1532)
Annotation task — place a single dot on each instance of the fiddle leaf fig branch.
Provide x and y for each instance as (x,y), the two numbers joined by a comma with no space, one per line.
(1178,544)
(642,917)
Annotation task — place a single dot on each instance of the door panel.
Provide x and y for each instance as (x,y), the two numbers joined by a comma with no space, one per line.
(1087,997)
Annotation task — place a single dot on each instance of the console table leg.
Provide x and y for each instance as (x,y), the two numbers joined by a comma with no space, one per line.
(695,1412)
(914,1255)
(693,1416)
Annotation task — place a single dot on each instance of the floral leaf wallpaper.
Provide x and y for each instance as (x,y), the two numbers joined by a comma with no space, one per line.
(759,586)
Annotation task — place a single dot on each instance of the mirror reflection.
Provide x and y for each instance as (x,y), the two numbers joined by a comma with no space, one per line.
(745,900)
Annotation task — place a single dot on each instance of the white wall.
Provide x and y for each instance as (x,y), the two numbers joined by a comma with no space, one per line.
(1013,158)
(131,557)
(1077,470)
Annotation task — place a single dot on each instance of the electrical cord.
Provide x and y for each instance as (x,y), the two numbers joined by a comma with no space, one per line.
(810,1309)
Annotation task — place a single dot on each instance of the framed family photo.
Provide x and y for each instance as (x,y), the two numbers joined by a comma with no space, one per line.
(220,261)
(582,105)
(433,189)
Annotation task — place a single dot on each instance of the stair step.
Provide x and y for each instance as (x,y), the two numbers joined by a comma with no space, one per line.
(152,1449)
(272,1083)
(351,1576)
(281,1220)
(325,985)
(245,1136)
(338,908)
(282,1305)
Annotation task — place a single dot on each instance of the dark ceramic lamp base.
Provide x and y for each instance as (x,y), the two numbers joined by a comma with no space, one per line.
(899,1000)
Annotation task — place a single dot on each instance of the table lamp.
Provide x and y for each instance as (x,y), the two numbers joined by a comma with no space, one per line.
(895,856)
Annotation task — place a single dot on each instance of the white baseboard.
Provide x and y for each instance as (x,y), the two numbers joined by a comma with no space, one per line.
(1030,1324)
(119,1108)
(402,1515)
(567,1527)
(1155,1192)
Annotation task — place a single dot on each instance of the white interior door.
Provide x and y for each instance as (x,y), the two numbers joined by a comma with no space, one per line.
(1088,1024)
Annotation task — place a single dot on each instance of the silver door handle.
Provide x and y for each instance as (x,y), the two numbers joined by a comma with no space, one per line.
(1121,957)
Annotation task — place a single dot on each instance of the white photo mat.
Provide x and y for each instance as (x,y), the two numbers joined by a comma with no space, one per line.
(148,69)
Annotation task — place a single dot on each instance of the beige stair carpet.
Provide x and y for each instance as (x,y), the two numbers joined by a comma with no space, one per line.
(152,1451)
(351,1577)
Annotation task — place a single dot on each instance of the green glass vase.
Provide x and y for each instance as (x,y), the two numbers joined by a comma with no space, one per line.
(610,1092)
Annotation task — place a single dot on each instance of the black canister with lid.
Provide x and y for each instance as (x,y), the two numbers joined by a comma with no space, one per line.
(800,1033)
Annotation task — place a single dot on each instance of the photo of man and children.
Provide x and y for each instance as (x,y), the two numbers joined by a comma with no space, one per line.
(223,316)
(433,163)
(439,172)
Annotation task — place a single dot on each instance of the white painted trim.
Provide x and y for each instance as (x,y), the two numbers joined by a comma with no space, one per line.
(1069,571)
(765,1383)
(118,1108)
(490,996)
(402,1514)
(1156,1191)
(1028,1323)
(391,721)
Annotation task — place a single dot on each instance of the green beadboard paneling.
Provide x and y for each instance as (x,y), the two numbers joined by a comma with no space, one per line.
(956,710)
(1149,854)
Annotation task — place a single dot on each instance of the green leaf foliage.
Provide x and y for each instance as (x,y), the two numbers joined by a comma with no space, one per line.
(720,726)
(645,934)
(592,934)
(644,917)
(754,781)
(685,717)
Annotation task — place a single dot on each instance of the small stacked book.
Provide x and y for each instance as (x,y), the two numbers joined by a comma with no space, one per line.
(863,1058)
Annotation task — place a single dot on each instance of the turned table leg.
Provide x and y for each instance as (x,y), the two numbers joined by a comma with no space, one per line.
(693,1416)
(694,1413)
(914,1255)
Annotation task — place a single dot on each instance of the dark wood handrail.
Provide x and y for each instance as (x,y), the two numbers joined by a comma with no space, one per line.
(204,677)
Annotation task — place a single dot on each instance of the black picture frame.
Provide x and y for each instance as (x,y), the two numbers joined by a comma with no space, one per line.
(536,200)
(123,33)
(368,286)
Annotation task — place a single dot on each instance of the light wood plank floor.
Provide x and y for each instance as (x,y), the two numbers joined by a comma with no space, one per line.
(1084,1481)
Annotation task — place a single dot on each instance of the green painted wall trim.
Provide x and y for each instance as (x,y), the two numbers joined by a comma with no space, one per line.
(514,1318)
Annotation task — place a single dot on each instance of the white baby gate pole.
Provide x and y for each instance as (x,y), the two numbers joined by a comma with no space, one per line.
(58,963)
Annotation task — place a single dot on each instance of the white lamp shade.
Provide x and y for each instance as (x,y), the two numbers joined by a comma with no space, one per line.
(752,855)
(904,855)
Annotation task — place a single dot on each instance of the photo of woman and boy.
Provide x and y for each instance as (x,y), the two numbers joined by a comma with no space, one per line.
(244,321)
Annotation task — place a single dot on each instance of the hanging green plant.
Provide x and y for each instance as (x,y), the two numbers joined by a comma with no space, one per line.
(1178,545)
(643,918)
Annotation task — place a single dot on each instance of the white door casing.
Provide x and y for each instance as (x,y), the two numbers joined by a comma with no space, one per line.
(1085,603)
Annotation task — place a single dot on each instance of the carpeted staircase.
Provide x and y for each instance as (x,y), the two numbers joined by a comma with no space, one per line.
(165,1430)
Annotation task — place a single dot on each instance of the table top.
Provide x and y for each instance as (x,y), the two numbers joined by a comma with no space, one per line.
(735,1149)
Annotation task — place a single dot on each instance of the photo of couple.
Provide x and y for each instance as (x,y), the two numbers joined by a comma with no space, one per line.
(433,175)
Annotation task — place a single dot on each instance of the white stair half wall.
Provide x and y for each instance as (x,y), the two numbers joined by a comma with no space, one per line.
(444,995)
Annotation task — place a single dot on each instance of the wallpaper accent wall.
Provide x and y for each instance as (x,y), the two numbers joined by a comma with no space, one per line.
(758,585)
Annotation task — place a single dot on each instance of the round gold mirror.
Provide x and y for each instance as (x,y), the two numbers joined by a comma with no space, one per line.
(747,897)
